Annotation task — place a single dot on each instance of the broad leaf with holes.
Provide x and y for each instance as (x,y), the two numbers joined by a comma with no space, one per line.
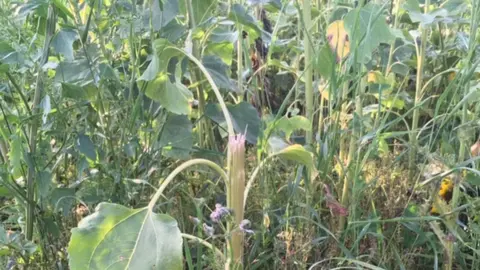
(117,237)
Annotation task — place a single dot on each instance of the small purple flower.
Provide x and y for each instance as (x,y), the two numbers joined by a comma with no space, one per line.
(245,225)
(208,230)
(219,213)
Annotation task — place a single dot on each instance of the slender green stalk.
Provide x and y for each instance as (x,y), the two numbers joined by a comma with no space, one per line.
(307,19)
(49,32)
(352,150)
(418,93)
(398,4)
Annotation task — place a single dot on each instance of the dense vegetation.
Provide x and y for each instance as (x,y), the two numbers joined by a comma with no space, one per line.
(226,134)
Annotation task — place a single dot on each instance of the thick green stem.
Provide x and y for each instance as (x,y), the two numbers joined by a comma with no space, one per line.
(307,18)
(418,94)
(49,32)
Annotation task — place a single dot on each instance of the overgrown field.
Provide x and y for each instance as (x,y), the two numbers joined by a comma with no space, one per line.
(239,134)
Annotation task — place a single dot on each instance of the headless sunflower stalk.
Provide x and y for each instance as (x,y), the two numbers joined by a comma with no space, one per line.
(236,144)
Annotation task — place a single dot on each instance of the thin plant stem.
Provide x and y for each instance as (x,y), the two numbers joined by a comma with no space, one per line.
(49,31)
(418,94)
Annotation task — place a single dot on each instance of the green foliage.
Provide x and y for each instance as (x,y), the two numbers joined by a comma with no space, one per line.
(119,237)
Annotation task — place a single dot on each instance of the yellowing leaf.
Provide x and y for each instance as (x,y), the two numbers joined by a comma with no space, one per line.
(338,39)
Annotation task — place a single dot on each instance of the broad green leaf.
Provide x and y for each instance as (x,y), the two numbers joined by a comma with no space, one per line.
(472,178)
(218,70)
(43,183)
(175,97)
(74,71)
(74,91)
(417,15)
(223,50)
(289,125)
(244,117)
(9,55)
(223,34)
(176,137)
(368,32)
(297,153)
(63,199)
(202,9)
(161,57)
(117,237)
(62,42)
(5,192)
(325,62)
(86,147)
(163,12)
(240,15)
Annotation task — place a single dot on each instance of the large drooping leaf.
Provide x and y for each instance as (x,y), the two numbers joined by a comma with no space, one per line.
(368,32)
(218,70)
(175,97)
(62,199)
(244,117)
(176,137)
(117,237)
(295,152)
(62,42)
(162,55)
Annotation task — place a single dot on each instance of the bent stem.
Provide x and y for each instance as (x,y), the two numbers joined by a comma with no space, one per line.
(204,243)
(178,170)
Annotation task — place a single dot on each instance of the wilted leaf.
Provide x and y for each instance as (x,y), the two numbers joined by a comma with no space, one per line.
(117,237)
(338,39)
(62,42)
(176,137)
